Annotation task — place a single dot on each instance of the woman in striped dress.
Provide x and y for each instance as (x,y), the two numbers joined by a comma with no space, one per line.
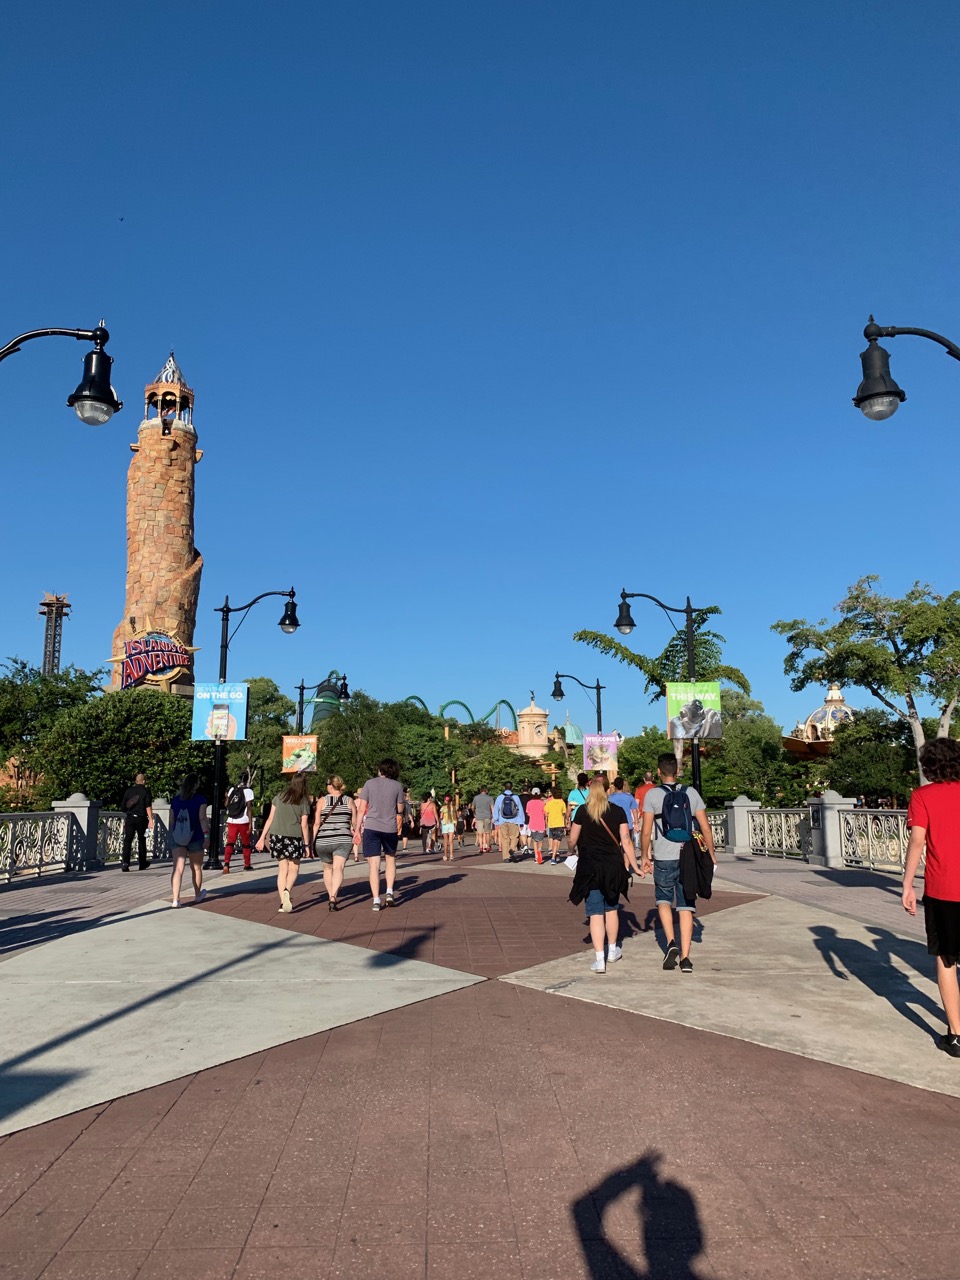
(333,821)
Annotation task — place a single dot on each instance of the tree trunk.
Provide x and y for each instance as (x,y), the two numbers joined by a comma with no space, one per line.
(916,728)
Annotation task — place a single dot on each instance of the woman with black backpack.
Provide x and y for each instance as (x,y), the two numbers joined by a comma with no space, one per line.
(333,821)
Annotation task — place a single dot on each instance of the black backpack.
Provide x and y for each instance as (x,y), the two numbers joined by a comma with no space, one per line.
(676,817)
(236,803)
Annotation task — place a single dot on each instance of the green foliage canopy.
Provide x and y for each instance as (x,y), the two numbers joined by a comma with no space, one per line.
(97,748)
(897,649)
(30,703)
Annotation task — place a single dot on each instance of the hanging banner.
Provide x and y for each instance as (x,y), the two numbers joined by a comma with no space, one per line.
(299,753)
(693,709)
(600,752)
(219,711)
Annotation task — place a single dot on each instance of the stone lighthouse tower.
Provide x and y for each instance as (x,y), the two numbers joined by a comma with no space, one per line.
(153,643)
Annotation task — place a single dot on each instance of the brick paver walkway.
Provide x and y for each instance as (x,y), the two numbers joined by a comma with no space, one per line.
(495,1131)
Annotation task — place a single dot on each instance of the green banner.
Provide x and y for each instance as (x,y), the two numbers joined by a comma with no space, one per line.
(693,709)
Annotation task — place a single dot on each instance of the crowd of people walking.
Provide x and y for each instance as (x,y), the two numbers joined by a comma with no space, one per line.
(660,830)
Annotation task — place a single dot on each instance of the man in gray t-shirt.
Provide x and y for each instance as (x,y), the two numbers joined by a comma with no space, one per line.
(662,857)
(483,818)
(379,810)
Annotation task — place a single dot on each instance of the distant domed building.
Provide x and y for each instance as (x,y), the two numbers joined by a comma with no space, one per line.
(812,737)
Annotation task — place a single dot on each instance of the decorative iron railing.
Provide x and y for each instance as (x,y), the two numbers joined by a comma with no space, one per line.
(779,833)
(110,838)
(874,838)
(718,825)
(39,842)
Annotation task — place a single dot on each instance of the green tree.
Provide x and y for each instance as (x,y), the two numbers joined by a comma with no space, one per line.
(98,747)
(872,755)
(900,650)
(749,759)
(493,766)
(270,714)
(30,703)
(639,753)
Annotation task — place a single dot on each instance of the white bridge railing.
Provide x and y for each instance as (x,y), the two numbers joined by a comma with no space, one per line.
(110,828)
(32,843)
(874,838)
(779,833)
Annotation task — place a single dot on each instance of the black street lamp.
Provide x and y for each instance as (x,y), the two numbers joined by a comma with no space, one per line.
(334,684)
(94,401)
(878,396)
(625,624)
(558,694)
(288,625)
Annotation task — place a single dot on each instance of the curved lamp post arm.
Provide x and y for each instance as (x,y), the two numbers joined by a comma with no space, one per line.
(99,336)
(563,675)
(590,688)
(894,331)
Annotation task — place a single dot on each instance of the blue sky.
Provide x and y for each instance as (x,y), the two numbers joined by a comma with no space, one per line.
(490,310)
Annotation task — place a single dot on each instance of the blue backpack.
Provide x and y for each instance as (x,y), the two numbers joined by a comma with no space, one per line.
(676,817)
(509,808)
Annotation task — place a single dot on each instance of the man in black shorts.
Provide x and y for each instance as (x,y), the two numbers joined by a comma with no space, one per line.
(379,809)
(934,821)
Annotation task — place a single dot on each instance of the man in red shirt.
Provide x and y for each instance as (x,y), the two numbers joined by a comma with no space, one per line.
(934,821)
(642,788)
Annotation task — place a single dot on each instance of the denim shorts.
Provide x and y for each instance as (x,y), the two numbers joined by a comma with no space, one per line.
(596,904)
(666,883)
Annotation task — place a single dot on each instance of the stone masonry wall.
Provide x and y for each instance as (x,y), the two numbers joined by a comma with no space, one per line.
(163,565)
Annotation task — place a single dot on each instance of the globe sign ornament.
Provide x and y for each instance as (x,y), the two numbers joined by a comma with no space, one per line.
(153,658)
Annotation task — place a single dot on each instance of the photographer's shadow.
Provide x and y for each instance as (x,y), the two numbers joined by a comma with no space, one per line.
(668,1224)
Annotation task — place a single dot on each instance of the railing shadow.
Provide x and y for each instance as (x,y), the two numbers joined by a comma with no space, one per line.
(874,968)
(34,929)
(669,1232)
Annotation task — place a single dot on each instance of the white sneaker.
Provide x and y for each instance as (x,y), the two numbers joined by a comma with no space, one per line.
(598,966)
(175,902)
(615,953)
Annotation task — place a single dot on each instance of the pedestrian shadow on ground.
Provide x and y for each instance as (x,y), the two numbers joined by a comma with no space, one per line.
(405,950)
(859,879)
(669,1233)
(630,926)
(873,966)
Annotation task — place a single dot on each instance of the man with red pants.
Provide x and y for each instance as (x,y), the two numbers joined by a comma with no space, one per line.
(239,811)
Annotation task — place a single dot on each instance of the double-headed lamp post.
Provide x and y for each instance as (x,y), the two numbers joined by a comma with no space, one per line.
(558,693)
(334,683)
(878,396)
(94,401)
(625,624)
(288,625)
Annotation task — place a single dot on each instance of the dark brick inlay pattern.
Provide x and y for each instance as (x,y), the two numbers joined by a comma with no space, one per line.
(486,922)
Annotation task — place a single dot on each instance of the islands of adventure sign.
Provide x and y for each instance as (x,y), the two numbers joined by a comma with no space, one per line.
(153,657)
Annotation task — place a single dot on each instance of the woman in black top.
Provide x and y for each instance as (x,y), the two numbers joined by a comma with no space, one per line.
(600,832)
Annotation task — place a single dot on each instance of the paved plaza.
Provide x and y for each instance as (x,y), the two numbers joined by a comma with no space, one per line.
(444,1090)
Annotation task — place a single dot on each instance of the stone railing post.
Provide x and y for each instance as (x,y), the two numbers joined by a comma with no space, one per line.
(738,828)
(87,814)
(161,828)
(826,843)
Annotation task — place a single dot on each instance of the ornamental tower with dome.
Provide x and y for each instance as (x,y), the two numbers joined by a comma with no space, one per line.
(813,735)
(532,725)
(153,643)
